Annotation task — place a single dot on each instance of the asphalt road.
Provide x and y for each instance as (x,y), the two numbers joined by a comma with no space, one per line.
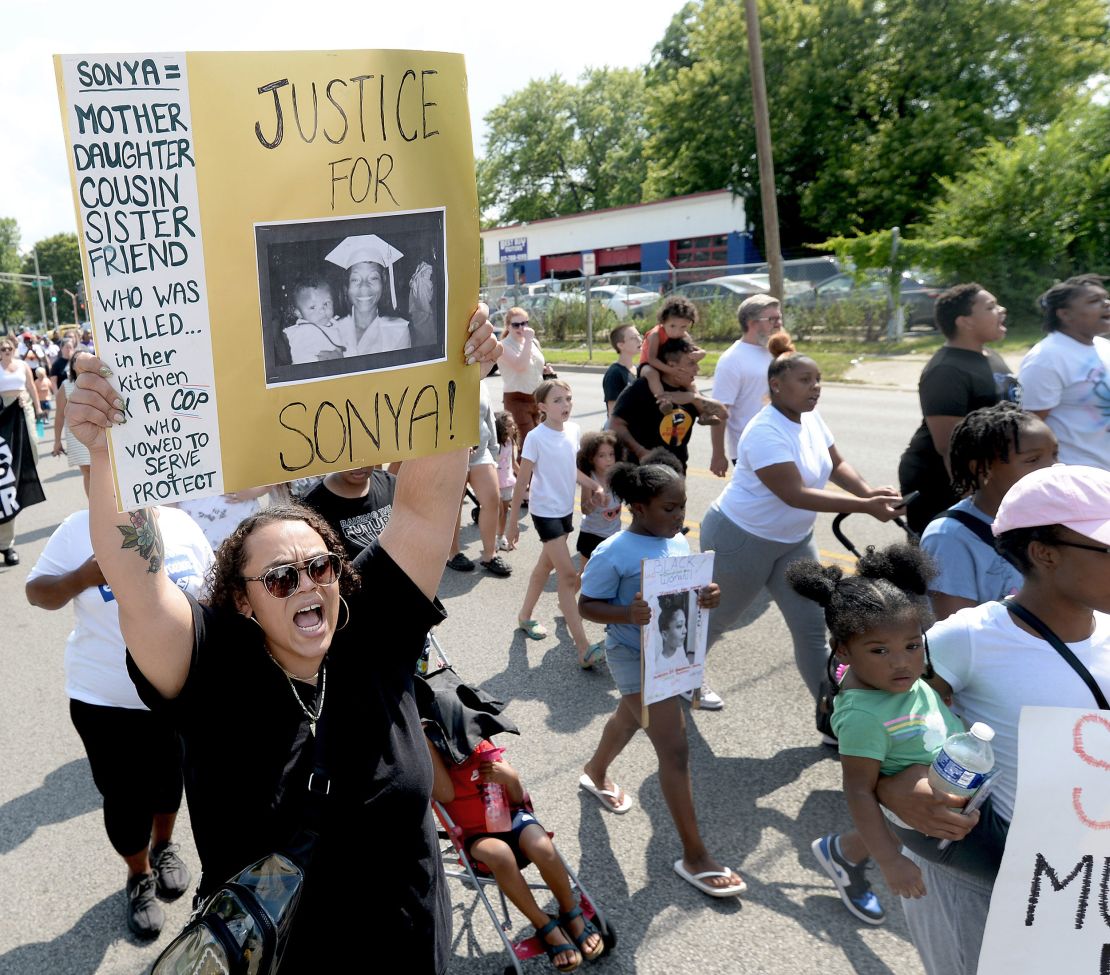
(764,787)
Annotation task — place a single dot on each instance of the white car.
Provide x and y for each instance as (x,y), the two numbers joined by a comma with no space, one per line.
(625,300)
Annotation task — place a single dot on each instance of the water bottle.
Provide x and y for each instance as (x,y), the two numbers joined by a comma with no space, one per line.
(494,800)
(423,665)
(963,762)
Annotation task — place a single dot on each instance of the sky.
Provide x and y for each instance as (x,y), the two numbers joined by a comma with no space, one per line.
(505,46)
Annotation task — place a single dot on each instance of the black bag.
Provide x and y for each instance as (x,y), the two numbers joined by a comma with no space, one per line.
(243,927)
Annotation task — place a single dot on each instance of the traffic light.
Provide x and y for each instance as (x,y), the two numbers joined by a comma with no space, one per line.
(80,292)
(53,296)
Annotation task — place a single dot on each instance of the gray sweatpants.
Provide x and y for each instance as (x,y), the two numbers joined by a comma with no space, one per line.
(947,924)
(744,564)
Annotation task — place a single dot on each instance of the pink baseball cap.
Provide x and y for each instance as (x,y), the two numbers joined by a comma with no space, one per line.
(1071,495)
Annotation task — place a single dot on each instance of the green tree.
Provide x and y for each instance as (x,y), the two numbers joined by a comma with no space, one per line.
(60,258)
(11,299)
(873,103)
(1022,215)
(555,147)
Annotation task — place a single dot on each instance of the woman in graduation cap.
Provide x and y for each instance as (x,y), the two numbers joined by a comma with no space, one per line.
(369,262)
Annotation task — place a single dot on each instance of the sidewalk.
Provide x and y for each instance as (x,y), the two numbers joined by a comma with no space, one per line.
(901,371)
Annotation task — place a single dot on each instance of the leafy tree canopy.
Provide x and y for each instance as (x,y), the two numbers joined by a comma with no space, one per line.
(11,301)
(1022,215)
(556,147)
(873,103)
(59,257)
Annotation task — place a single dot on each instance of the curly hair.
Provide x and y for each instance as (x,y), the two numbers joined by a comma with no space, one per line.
(983,437)
(225,577)
(677,306)
(887,583)
(590,444)
(954,303)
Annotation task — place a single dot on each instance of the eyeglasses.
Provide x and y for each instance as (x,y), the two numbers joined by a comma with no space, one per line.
(1090,548)
(773,318)
(284,580)
(517,324)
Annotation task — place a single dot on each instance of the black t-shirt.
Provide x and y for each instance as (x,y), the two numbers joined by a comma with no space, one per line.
(376,877)
(58,369)
(652,428)
(357,520)
(616,380)
(953,383)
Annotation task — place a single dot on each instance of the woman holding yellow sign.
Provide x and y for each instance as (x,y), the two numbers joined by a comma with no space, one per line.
(284,642)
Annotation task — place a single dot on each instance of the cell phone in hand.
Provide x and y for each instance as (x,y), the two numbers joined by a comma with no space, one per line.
(973,803)
(908,499)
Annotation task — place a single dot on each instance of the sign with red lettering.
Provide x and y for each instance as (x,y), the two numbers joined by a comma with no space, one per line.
(1050,910)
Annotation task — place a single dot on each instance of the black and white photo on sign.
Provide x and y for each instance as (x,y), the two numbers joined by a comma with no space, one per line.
(352,295)
(674,641)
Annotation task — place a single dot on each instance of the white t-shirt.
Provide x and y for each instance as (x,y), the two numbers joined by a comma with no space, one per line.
(95,661)
(218,515)
(1072,381)
(770,439)
(740,382)
(554,452)
(996,668)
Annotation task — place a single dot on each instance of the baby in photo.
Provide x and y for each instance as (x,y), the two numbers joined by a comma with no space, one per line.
(316,335)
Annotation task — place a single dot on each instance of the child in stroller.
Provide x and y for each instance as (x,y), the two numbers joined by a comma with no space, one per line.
(458,788)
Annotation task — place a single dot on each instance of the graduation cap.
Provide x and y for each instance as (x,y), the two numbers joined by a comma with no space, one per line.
(367,247)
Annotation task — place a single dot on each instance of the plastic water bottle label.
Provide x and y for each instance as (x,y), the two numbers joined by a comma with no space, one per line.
(952,771)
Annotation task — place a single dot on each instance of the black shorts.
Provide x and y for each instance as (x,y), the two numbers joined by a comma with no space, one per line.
(522,819)
(587,542)
(551,528)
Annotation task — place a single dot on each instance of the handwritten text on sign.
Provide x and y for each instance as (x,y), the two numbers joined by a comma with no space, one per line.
(131,136)
(1050,910)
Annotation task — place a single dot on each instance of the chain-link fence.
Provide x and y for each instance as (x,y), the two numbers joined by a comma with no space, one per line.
(586,309)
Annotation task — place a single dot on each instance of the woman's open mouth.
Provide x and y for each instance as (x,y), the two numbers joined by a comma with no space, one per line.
(309,619)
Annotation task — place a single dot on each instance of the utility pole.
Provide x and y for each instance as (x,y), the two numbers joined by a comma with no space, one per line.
(763,151)
(42,304)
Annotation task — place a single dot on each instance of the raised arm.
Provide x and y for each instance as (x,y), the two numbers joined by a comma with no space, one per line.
(154,615)
(426,503)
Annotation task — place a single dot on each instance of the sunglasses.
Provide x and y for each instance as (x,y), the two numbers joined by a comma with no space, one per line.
(1090,548)
(284,580)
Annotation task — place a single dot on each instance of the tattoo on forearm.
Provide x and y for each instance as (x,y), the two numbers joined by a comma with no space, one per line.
(143,536)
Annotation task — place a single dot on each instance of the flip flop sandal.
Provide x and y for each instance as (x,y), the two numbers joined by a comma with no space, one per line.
(532,629)
(553,950)
(698,880)
(595,653)
(587,930)
(604,795)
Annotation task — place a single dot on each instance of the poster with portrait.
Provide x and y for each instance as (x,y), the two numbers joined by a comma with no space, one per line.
(281,257)
(673,644)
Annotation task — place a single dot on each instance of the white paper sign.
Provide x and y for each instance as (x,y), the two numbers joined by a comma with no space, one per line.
(673,643)
(130,134)
(1049,909)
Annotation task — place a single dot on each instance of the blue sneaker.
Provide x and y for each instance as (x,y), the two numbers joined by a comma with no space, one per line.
(850,879)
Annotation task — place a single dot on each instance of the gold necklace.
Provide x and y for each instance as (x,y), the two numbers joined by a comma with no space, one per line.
(323,676)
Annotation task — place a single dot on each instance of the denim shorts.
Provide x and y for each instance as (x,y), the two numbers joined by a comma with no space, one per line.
(624,665)
(522,819)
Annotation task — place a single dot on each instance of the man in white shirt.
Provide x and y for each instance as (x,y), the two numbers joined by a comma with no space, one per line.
(1065,377)
(740,380)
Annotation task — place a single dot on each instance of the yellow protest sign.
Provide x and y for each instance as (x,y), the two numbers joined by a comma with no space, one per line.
(281,252)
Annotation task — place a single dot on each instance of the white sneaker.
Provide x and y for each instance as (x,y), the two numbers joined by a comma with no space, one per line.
(502,543)
(710,699)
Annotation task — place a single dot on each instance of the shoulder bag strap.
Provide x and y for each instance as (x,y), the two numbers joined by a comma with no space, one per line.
(979,528)
(1060,647)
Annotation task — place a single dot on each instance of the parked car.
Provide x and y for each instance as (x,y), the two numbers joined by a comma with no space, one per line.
(732,289)
(918,293)
(625,300)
